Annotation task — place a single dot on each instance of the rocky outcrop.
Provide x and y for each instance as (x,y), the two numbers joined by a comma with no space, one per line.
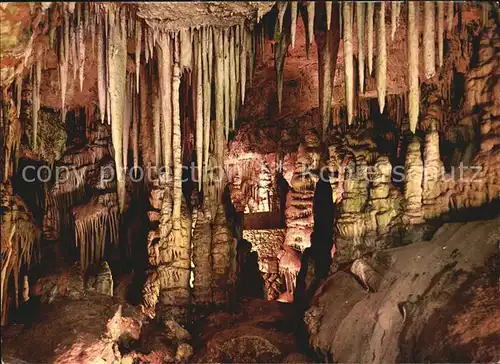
(74,331)
(20,237)
(419,292)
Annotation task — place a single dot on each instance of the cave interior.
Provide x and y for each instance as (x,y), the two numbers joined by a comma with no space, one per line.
(283,181)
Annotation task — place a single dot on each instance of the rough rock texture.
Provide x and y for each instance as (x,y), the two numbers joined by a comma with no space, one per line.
(73,331)
(262,332)
(426,290)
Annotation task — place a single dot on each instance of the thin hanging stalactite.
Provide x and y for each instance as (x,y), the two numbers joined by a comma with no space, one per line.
(165,75)
(370,9)
(135,127)
(207,88)
(429,40)
(81,45)
(101,72)
(413,53)
(176,145)
(440,25)
(37,77)
(127,120)
(138,38)
(198,40)
(117,90)
(360,26)
(381,66)
(293,17)
(280,52)
(156,114)
(243,63)
(219,95)
(449,17)
(19,93)
(395,9)
(310,18)
(348,59)
(328,9)
(64,63)
(232,79)
(227,97)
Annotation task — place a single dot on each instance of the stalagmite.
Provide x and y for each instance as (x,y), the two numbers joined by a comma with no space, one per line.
(440,26)
(449,16)
(413,54)
(328,8)
(176,145)
(117,89)
(293,13)
(164,69)
(37,77)
(370,8)
(232,80)
(381,58)
(226,83)
(207,97)
(310,18)
(199,105)
(429,40)
(348,60)
(138,37)
(219,94)
(101,72)
(243,64)
(360,26)
(156,113)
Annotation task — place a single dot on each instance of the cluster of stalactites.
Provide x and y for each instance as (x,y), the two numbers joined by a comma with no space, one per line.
(373,15)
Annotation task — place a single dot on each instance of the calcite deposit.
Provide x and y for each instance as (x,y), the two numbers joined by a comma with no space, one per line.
(168,169)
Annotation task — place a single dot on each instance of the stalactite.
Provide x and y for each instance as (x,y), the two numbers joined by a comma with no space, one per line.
(281,13)
(198,40)
(280,52)
(156,113)
(63,63)
(395,8)
(250,53)
(293,13)
(232,79)
(381,58)
(449,17)
(164,68)
(37,77)
(81,47)
(135,128)
(310,18)
(348,60)
(138,38)
(117,88)
(328,8)
(413,53)
(186,50)
(176,141)
(429,40)
(360,26)
(227,99)
(370,9)
(243,63)
(127,119)
(146,123)
(219,94)
(440,25)
(19,92)
(207,95)
(101,72)
(237,49)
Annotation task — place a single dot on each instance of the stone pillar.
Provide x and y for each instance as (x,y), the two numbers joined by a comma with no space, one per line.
(413,184)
